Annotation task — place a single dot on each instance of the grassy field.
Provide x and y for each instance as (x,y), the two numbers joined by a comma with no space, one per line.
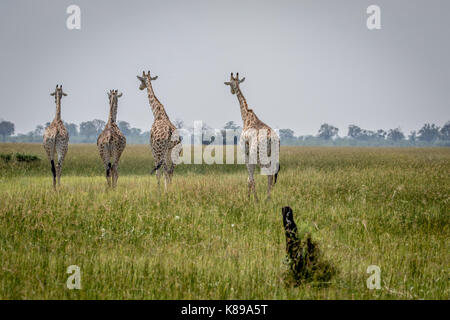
(204,240)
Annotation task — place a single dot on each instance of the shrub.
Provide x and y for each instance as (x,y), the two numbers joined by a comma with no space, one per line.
(21,157)
(303,257)
(6,156)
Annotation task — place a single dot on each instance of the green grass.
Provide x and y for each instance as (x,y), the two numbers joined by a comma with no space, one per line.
(204,240)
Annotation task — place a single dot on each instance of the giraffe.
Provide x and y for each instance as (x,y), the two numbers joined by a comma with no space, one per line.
(164,138)
(111,142)
(256,138)
(56,138)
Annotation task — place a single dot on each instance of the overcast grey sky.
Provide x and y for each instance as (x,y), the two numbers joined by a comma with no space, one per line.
(305,62)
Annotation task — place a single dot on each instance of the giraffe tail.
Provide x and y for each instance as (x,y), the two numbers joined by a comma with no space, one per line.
(108,171)
(156,167)
(53,168)
(276,174)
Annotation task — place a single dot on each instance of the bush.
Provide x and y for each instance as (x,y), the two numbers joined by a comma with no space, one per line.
(303,257)
(6,156)
(308,264)
(21,157)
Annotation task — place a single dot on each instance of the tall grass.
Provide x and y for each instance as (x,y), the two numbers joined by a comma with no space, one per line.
(204,239)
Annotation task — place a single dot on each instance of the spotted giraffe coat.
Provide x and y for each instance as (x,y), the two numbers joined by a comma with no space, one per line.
(111,142)
(165,141)
(253,141)
(56,138)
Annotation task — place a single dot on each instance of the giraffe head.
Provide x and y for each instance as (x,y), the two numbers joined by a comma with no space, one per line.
(145,79)
(113,95)
(234,82)
(58,93)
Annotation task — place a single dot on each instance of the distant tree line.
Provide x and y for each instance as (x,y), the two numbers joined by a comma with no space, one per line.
(88,131)
(428,135)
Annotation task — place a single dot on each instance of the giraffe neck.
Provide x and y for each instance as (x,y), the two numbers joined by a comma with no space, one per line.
(157,107)
(112,112)
(243,104)
(58,109)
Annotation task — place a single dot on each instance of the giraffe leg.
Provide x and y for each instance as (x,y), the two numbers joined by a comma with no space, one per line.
(251,180)
(158,166)
(61,150)
(49,146)
(254,190)
(59,167)
(166,181)
(168,168)
(52,162)
(174,155)
(115,174)
(158,178)
(104,155)
(108,170)
(170,172)
(58,171)
(166,177)
(115,165)
(54,173)
(269,185)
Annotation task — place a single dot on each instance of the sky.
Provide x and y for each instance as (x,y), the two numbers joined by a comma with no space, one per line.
(305,62)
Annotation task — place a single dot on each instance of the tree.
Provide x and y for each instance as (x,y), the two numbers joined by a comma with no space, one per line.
(286,134)
(366,134)
(135,132)
(124,127)
(39,131)
(230,125)
(445,131)
(413,136)
(429,132)
(72,129)
(88,129)
(381,134)
(354,131)
(92,129)
(395,135)
(6,129)
(99,125)
(327,131)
